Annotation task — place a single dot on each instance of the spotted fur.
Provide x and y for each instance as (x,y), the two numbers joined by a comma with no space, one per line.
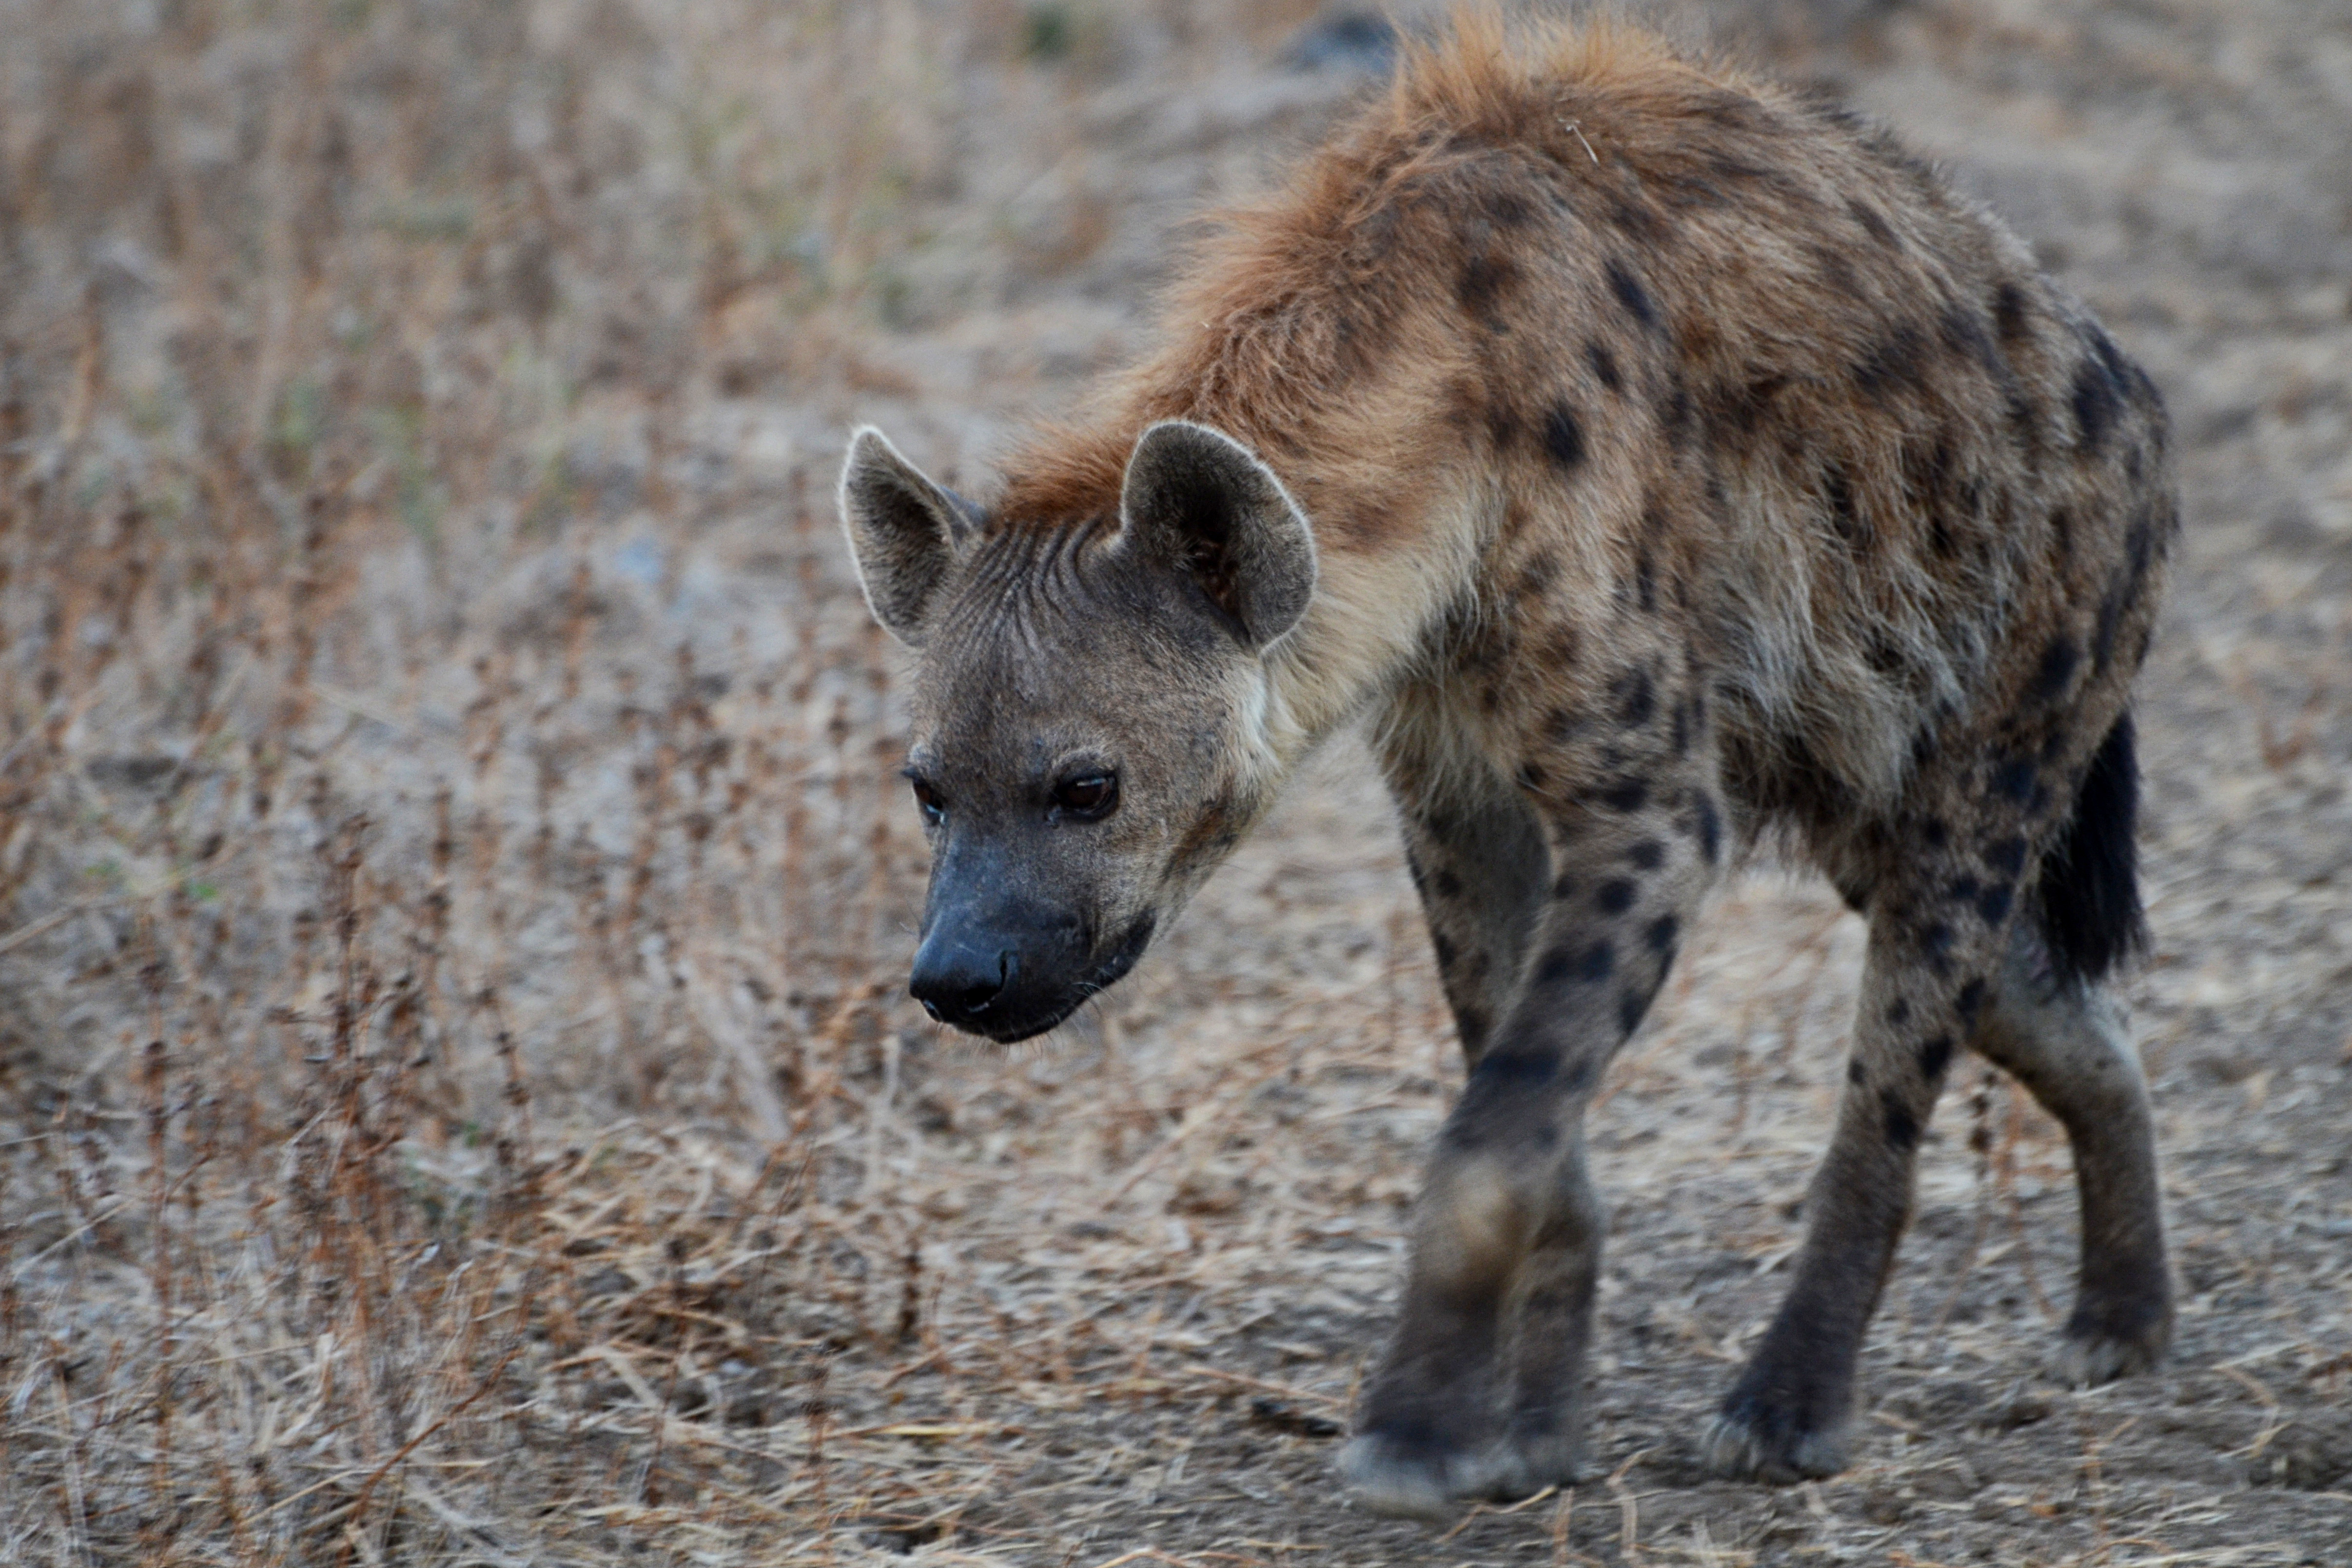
(1684,463)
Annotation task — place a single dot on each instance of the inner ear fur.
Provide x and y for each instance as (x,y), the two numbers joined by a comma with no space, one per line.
(904,531)
(1202,502)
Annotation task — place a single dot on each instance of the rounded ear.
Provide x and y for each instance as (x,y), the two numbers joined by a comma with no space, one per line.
(1203,502)
(904,531)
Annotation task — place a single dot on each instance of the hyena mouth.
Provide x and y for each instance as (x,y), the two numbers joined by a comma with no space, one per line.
(1107,972)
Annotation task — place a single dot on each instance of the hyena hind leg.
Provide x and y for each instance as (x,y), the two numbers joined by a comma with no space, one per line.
(2067,1041)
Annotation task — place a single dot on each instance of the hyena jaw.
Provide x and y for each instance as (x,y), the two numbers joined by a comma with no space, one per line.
(1656,458)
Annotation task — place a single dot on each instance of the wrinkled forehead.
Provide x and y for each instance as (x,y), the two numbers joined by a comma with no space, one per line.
(1033,646)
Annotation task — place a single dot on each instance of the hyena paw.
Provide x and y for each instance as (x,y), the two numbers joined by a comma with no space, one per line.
(1412,1477)
(1408,1477)
(2101,1347)
(1750,1441)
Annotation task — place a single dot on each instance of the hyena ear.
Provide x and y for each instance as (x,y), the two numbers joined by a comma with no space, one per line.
(1200,499)
(904,531)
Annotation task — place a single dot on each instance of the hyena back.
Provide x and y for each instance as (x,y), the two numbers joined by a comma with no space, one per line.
(1656,459)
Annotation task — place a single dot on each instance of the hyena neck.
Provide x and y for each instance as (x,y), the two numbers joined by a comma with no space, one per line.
(1376,621)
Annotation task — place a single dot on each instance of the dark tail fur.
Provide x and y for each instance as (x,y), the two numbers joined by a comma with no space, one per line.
(2088,894)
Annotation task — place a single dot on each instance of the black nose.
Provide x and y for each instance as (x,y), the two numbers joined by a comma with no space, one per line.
(955,981)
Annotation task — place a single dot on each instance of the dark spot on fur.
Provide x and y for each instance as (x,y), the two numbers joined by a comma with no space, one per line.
(2006,855)
(1637,699)
(1934,1056)
(1854,1073)
(1563,438)
(1562,724)
(1536,580)
(1604,367)
(2059,661)
(1532,776)
(1902,1127)
(1969,1001)
(1630,1008)
(1508,210)
(1894,362)
(1566,887)
(1442,945)
(1993,904)
(1480,286)
(1964,333)
(2098,402)
(2012,312)
(1939,539)
(1646,856)
(1632,295)
(2013,779)
(1741,406)
(1448,885)
(1933,833)
(1964,890)
(1645,584)
(1624,794)
(1935,942)
(1587,965)
(1615,896)
(1872,224)
(1710,826)
(1898,1012)
(1661,933)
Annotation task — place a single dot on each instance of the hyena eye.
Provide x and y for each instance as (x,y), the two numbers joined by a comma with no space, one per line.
(935,810)
(1087,795)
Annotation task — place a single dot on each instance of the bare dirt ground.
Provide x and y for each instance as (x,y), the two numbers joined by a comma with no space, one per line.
(456,1100)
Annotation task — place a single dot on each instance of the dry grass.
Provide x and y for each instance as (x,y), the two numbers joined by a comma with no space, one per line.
(456,1100)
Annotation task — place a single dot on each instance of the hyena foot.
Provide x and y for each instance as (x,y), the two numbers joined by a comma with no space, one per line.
(1751,1439)
(2103,1341)
(1411,1476)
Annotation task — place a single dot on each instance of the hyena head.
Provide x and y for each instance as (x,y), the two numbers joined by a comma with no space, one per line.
(1089,710)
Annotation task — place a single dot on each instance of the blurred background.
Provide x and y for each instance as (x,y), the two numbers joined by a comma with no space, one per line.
(457,1102)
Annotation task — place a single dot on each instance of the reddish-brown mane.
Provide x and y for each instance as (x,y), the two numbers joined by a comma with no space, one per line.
(1267,320)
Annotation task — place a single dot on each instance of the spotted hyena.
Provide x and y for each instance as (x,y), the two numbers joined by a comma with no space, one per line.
(1657,461)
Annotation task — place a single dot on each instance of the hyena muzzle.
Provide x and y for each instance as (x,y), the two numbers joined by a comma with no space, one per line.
(1654,459)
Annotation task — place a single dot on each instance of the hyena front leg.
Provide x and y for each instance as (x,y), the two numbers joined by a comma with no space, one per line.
(1480,865)
(1477,1396)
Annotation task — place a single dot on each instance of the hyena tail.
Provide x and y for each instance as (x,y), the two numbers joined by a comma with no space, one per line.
(2088,895)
